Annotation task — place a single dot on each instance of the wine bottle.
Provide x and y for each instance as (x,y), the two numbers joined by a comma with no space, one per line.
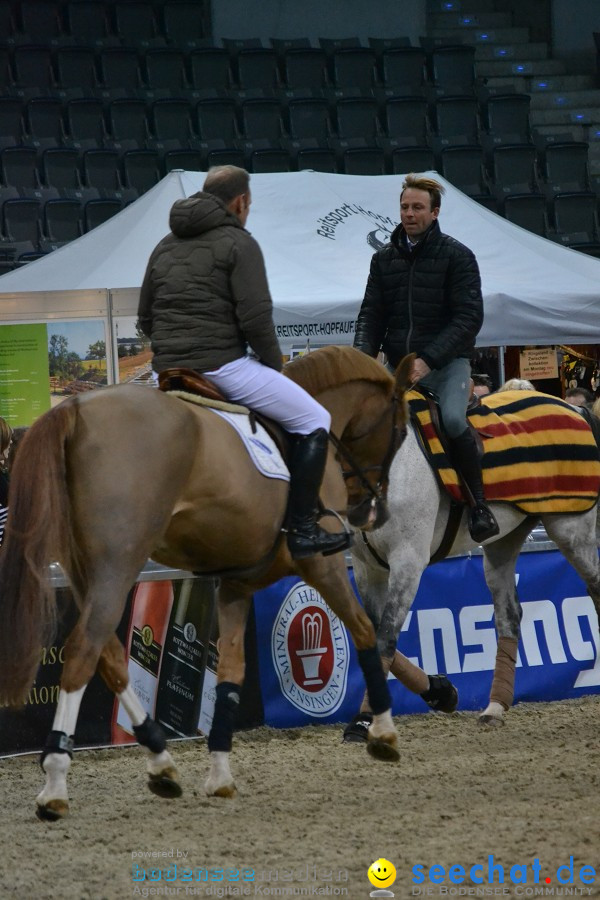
(180,684)
(150,611)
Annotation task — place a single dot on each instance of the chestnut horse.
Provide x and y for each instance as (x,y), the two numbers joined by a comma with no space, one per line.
(106,480)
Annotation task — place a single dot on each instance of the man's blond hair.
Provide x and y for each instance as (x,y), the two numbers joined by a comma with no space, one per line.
(420,183)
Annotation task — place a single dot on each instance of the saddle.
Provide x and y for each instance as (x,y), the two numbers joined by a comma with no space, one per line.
(191,382)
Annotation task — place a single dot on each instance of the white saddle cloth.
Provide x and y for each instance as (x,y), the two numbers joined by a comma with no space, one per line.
(260,445)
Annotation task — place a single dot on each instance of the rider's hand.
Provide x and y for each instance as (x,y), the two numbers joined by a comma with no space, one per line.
(419,370)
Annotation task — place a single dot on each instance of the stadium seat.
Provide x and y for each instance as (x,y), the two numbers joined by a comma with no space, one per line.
(452,70)
(565,168)
(20,224)
(209,68)
(514,170)
(304,67)
(256,67)
(183,23)
(96,212)
(165,68)
(529,211)
(261,118)
(464,167)
(406,121)
(404,70)
(11,122)
(576,221)
(76,70)
(354,67)
(358,118)
(33,69)
(140,170)
(455,122)
(60,170)
(44,122)
(309,118)
(62,223)
(87,21)
(127,124)
(85,123)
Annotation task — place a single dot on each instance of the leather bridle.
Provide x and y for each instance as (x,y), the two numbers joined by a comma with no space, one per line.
(397,436)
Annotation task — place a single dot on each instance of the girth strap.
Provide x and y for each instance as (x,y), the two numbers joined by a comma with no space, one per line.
(448,538)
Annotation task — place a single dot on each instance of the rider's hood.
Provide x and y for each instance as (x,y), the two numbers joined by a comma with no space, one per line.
(199,213)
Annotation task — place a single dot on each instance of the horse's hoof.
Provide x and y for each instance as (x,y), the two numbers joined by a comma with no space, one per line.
(224,790)
(382,750)
(165,784)
(52,811)
(357,731)
(489,721)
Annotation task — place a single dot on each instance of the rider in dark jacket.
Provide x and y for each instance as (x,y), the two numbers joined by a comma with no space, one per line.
(423,296)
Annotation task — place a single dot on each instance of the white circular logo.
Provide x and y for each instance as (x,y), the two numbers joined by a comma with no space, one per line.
(310,652)
(189,632)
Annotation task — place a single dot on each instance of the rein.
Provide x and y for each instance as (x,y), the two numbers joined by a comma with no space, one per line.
(397,437)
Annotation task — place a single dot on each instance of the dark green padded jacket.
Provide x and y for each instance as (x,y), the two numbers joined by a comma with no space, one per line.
(205,297)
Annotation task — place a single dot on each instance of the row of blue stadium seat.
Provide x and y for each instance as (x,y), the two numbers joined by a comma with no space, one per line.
(455,120)
(448,68)
(30,225)
(136,20)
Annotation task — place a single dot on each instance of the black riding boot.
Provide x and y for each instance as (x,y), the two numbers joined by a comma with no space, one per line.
(465,456)
(305,537)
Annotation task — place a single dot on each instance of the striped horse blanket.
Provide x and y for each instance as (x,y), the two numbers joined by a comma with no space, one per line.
(539,453)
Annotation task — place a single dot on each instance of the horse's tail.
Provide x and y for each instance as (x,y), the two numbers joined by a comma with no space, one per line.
(38,532)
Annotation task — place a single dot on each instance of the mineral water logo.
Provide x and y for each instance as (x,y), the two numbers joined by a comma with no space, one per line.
(310,652)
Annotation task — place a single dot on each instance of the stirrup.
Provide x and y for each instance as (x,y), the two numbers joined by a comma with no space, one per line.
(303,544)
(482,523)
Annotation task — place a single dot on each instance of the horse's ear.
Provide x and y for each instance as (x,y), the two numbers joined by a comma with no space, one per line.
(403,370)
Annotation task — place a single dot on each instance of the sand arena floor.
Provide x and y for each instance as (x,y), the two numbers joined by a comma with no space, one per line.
(314,810)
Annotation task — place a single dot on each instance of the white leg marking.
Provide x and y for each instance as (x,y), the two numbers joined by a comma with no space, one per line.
(494,710)
(159,762)
(56,766)
(132,706)
(220,781)
(67,710)
(383,726)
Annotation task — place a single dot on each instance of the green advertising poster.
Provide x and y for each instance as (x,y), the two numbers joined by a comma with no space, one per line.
(24,376)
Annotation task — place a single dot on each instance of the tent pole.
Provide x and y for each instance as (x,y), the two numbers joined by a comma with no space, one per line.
(501,370)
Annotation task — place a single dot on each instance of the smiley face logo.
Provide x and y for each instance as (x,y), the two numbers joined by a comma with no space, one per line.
(381,873)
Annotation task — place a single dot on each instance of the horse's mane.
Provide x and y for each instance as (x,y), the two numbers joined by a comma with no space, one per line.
(330,366)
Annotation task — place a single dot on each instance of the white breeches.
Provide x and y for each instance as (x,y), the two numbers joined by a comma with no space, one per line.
(250,383)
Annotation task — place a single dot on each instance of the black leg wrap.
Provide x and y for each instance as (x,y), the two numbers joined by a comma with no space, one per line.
(57,742)
(442,695)
(226,708)
(150,735)
(357,731)
(377,689)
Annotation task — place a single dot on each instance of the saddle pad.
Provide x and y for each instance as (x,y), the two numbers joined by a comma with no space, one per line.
(260,445)
(539,453)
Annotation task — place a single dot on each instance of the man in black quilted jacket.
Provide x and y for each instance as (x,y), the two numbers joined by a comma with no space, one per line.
(423,296)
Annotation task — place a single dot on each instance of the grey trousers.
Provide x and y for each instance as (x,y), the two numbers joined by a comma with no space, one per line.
(451,385)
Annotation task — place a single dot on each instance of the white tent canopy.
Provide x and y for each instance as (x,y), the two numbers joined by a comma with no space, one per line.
(318,232)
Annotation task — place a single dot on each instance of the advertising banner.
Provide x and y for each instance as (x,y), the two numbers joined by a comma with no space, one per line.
(308,676)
